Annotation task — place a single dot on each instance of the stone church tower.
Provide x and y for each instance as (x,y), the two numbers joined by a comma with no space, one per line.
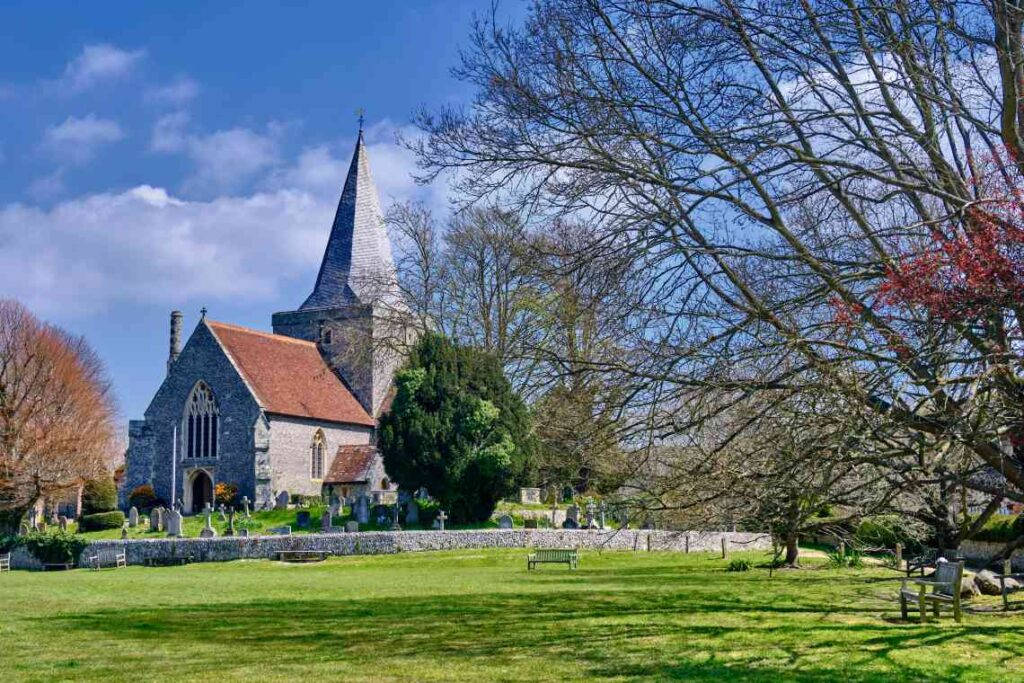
(355,313)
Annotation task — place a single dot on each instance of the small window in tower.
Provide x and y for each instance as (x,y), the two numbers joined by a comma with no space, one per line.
(325,334)
(385,484)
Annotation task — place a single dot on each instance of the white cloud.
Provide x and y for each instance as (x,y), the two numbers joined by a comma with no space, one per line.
(48,186)
(144,245)
(97,64)
(78,139)
(176,93)
(169,133)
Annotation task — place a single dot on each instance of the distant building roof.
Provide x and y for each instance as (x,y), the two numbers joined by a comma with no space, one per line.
(289,376)
(352,465)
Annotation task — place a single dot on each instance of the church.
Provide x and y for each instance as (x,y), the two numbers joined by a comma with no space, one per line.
(292,412)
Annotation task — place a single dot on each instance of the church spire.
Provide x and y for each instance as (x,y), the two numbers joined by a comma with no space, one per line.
(357,266)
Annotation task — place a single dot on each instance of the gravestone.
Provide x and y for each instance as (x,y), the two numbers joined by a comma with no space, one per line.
(412,513)
(601,510)
(351,527)
(591,509)
(281,502)
(505,522)
(394,517)
(222,512)
(530,523)
(62,522)
(570,524)
(245,506)
(441,517)
(172,521)
(280,531)
(133,517)
(325,521)
(529,496)
(208,530)
(230,531)
(124,533)
(362,509)
(302,519)
(572,514)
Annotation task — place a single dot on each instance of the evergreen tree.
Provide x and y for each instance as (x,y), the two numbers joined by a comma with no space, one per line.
(457,429)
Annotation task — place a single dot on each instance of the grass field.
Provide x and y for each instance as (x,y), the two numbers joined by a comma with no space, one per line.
(479,616)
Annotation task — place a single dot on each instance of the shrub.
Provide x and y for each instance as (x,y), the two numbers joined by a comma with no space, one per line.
(304,501)
(885,531)
(144,498)
(8,543)
(428,511)
(738,566)
(225,494)
(852,559)
(54,548)
(101,520)
(99,495)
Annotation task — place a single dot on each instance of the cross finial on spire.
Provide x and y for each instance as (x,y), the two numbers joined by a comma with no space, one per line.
(202,312)
(361,113)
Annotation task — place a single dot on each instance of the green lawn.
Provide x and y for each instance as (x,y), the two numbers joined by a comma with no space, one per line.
(479,616)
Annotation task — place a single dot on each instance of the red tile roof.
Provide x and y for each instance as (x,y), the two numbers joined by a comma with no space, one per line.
(289,376)
(351,465)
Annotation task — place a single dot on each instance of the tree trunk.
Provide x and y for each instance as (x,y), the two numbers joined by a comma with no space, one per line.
(792,550)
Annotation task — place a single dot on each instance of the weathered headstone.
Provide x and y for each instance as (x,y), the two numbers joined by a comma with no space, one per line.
(230,531)
(362,509)
(302,519)
(591,509)
(530,523)
(281,502)
(570,524)
(208,530)
(412,513)
(245,506)
(505,522)
(156,519)
(325,521)
(171,521)
(133,517)
(529,496)
(572,514)
(280,530)
(351,527)
(222,512)
(441,517)
(62,522)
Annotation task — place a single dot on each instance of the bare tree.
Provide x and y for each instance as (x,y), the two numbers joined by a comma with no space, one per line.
(56,419)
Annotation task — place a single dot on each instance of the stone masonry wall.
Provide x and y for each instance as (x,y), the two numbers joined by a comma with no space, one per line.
(389,542)
(291,441)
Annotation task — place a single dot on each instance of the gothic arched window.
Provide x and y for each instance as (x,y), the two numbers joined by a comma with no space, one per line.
(201,423)
(316,470)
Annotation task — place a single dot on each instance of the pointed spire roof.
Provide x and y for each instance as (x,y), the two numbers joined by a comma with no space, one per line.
(357,266)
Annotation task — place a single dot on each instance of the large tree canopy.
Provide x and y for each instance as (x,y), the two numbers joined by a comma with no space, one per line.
(457,429)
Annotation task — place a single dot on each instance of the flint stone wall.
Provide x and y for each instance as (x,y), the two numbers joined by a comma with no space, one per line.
(388,542)
(982,552)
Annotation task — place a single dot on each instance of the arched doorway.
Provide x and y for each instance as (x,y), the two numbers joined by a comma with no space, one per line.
(201,489)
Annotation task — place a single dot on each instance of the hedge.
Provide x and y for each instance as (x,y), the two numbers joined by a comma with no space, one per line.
(54,548)
(101,521)
(1001,529)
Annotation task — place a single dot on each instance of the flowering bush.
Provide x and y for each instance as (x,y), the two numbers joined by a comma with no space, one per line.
(225,494)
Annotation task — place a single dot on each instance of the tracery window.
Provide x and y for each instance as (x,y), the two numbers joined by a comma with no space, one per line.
(317,456)
(201,423)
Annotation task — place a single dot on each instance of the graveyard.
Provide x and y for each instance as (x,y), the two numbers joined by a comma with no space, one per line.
(479,615)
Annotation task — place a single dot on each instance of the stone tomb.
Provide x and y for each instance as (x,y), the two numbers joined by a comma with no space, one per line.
(529,496)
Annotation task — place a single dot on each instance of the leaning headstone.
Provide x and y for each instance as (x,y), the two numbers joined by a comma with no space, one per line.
(171,521)
(62,522)
(412,513)
(362,511)
(133,517)
(505,522)
(351,527)
(302,519)
(325,521)
(281,502)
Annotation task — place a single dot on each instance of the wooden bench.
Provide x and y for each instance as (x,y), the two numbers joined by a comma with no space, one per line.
(5,563)
(120,559)
(945,584)
(302,555)
(552,556)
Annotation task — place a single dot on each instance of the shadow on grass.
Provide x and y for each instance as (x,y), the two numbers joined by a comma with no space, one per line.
(588,629)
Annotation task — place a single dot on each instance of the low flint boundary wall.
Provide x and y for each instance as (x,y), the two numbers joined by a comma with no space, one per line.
(225,549)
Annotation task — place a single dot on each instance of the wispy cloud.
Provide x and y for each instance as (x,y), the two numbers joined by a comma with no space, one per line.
(178,92)
(77,140)
(97,64)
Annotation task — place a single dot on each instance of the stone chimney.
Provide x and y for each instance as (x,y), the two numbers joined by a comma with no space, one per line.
(175,339)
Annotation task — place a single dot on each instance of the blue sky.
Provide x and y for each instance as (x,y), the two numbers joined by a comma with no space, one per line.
(157,156)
